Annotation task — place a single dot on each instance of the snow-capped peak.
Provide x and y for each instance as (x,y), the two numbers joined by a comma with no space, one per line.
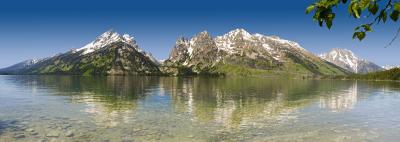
(106,39)
(110,37)
(345,52)
(239,32)
(342,56)
(349,61)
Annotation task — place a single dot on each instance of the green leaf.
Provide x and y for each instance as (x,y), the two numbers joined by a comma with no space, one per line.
(395,15)
(355,10)
(396,6)
(355,35)
(373,8)
(364,3)
(329,19)
(309,9)
(328,23)
(367,27)
(359,35)
(384,16)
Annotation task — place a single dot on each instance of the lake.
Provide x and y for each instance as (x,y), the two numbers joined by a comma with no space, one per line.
(123,109)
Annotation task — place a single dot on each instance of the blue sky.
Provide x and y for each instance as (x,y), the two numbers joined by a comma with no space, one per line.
(34,29)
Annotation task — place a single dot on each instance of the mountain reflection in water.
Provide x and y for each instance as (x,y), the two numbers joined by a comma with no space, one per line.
(197,108)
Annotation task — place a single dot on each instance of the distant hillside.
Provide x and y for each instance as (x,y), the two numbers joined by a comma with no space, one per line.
(19,66)
(392,74)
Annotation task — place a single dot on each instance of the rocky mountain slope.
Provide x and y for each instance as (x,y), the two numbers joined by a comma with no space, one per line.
(349,61)
(109,54)
(239,52)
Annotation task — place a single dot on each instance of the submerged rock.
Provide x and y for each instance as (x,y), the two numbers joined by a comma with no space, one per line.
(30,130)
(69,133)
(34,133)
(53,134)
(18,136)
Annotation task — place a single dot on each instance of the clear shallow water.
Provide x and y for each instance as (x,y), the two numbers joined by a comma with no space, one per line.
(71,108)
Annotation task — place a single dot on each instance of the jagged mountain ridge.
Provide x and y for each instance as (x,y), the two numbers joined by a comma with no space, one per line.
(244,50)
(109,54)
(349,61)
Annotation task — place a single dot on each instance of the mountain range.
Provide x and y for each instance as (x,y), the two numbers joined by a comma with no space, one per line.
(241,53)
(234,53)
(349,61)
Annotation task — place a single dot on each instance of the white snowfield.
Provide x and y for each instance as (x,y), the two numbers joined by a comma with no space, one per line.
(226,42)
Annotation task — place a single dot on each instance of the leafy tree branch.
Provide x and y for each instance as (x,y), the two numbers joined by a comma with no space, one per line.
(379,10)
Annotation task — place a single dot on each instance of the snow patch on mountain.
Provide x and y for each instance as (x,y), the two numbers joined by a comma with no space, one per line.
(228,42)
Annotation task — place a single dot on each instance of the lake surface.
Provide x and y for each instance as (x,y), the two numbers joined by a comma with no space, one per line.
(73,108)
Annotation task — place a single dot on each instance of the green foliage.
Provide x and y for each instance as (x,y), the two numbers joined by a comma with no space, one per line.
(236,70)
(312,66)
(184,71)
(323,13)
(393,74)
(88,72)
(373,8)
(359,35)
(258,63)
